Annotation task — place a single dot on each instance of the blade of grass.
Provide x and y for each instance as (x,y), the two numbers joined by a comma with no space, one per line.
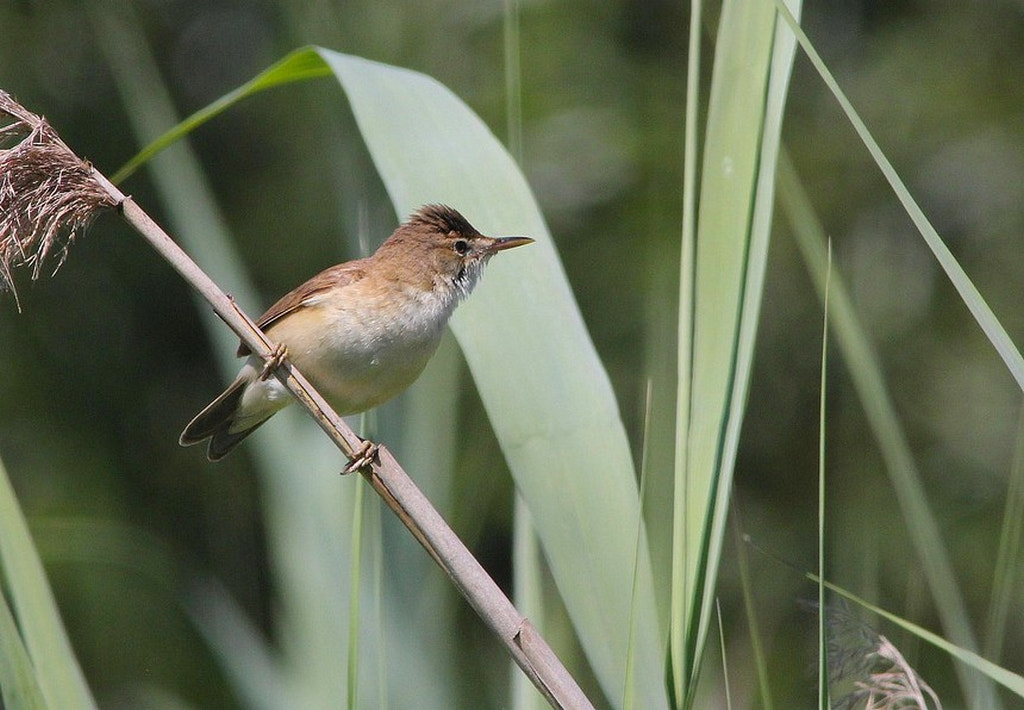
(529,595)
(725,655)
(299,65)
(988,669)
(629,697)
(355,568)
(757,649)
(381,621)
(970,295)
(1004,588)
(31,620)
(677,666)
(865,370)
(19,687)
(823,696)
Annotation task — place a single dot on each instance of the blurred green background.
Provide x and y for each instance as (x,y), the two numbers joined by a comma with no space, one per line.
(108,360)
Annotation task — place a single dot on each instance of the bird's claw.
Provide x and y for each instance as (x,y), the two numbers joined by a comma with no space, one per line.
(362,457)
(277,356)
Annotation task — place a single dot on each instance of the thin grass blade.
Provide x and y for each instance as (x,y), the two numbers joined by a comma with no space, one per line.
(529,597)
(1004,584)
(30,612)
(1008,679)
(823,695)
(678,669)
(970,295)
(865,369)
(299,65)
(760,660)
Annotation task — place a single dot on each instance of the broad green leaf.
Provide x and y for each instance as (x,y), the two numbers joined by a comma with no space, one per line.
(544,389)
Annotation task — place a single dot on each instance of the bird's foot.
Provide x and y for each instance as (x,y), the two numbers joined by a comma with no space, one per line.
(362,457)
(277,356)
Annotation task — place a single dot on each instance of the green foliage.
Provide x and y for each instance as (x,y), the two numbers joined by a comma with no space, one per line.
(37,666)
(733,223)
(559,344)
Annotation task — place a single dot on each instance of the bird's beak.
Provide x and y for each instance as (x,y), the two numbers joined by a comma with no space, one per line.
(503,243)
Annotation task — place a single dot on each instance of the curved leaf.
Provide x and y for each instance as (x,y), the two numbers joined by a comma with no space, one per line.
(544,388)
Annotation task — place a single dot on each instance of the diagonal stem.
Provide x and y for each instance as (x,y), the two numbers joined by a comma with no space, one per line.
(529,650)
(94,191)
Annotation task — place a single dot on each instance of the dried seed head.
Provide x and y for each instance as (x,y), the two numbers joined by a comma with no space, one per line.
(867,670)
(47,193)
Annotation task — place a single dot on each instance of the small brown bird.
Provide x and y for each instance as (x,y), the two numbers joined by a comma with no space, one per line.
(360,331)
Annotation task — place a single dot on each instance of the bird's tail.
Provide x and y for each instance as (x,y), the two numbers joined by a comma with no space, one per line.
(215,422)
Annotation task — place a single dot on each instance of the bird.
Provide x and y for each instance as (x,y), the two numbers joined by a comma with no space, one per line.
(360,331)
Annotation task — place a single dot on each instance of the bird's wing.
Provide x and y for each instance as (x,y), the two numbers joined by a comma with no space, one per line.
(337,276)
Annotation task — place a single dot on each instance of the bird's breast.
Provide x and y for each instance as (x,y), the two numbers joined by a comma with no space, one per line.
(361,352)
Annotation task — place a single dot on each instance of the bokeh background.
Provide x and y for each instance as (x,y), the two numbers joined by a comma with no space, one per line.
(107,361)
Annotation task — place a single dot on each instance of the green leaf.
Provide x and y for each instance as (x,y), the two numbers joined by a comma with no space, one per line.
(545,391)
(748,90)
(34,640)
(1004,677)
(19,689)
(300,65)
(865,369)
(823,695)
(970,295)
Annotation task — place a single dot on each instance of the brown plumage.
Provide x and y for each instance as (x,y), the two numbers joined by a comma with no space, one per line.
(360,331)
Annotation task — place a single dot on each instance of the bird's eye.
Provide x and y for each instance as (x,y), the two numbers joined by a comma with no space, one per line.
(461,247)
